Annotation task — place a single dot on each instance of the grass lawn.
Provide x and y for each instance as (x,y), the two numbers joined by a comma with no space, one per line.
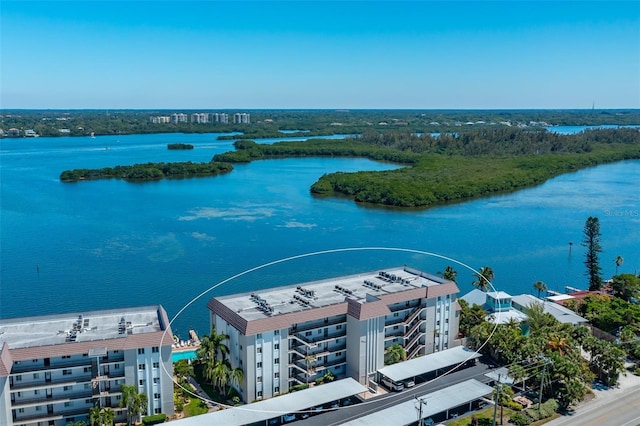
(214,393)
(195,407)
(485,418)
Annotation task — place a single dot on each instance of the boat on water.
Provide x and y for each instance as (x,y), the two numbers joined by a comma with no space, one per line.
(93,135)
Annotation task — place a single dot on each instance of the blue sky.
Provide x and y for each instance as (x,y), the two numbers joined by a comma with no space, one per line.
(331,54)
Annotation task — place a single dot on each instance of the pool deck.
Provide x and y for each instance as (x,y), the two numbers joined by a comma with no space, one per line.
(187,345)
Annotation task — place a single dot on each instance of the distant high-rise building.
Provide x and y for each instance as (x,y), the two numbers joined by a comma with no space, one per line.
(179,118)
(242,117)
(160,119)
(200,117)
(220,117)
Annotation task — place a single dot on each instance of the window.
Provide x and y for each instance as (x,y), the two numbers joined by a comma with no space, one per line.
(259,394)
(338,353)
(140,366)
(141,382)
(438,322)
(276,389)
(68,404)
(156,380)
(36,392)
(406,303)
(276,346)
(276,332)
(259,379)
(34,360)
(156,395)
(19,394)
(339,327)
(140,351)
(65,357)
(85,355)
(116,366)
(259,336)
(87,370)
(395,314)
(36,375)
(308,333)
(19,378)
(87,385)
(39,407)
(117,351)
(20,410)
(259,350)
(88,401)
(276,361)
(259,365)
(319,331)
(395,327)
(276,375)
(156,365)
(66,372)
(155,349)
(157,411)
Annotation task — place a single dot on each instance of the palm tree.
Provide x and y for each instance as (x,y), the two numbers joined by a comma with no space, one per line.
(220,375)
(449,274)
(394,353)
(558,344)
(540,286)
(483,278)
(134,402)
(235,377)
(619,260)
(310,361)
(107,416)
(95,416)
(212,347)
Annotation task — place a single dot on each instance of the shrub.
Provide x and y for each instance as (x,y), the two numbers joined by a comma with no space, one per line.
(154,419)
(520,419)
(298,387)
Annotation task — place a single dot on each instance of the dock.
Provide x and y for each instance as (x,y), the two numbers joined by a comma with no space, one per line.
(193,343)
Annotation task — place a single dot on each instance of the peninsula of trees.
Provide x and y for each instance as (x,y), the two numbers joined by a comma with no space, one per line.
(451,167)
(148,171)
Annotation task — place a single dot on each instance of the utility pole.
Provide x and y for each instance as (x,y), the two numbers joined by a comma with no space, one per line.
(544,369)
(421,401)
(497,399)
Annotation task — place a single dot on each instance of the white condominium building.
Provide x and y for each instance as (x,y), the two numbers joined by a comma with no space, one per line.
(295,334)
(54,368)
(242,117)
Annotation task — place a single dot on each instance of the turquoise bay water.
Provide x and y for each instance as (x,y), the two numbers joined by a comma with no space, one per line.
(107,244)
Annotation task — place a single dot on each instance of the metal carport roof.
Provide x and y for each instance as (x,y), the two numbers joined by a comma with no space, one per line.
(428,363)
(436,402)
(274,407)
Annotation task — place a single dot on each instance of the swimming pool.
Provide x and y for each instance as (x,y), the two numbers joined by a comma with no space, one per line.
(177,356)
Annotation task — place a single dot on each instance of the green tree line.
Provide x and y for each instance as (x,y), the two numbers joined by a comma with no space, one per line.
(148,171)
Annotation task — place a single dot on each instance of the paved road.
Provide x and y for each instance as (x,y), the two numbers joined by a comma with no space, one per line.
(613,407)
(384,401)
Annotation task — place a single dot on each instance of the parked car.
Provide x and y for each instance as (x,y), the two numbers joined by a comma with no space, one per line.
(289,417)
(392,385)
(409,383)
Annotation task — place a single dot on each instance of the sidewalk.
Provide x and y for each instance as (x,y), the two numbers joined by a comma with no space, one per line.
(202,394)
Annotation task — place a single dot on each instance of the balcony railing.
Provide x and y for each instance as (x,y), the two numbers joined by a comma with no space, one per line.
(72,379)
(44,400)
(318,338)
(300,328)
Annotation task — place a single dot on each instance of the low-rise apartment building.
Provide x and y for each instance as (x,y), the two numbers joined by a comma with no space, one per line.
(54,368)
(295,334)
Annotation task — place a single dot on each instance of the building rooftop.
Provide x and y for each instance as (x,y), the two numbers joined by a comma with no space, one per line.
(448,358)
(315,294)
(436,402)
(262,411)
(80,327)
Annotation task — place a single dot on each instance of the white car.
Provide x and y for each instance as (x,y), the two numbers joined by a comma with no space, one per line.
(288,417)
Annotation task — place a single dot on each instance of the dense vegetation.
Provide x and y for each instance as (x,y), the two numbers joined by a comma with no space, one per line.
(451,167)
(148,171)
(179,146)
(268,123)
